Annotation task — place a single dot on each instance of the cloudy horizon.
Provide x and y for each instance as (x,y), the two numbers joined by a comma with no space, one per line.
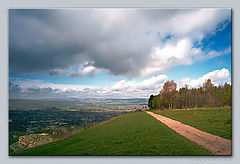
(116,53)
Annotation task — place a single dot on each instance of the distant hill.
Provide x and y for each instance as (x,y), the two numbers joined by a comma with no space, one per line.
(78,104)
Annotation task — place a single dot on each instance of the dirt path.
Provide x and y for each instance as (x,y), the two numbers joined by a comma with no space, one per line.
(217,145)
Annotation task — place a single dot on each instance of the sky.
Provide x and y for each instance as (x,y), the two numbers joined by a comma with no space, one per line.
(116,53)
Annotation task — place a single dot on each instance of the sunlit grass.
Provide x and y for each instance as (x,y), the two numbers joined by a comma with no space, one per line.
(131,134)
(215,121)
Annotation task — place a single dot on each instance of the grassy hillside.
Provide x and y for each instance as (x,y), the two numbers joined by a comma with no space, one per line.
(214,121)
(131,134)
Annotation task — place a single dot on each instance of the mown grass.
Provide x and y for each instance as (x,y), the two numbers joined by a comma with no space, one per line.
(214,121)
(131,134)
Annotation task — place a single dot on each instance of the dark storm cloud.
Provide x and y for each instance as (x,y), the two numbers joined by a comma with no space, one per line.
(38,43)
(45,41)
(56,41)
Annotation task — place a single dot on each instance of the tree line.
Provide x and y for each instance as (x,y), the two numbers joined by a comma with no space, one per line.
(206,96)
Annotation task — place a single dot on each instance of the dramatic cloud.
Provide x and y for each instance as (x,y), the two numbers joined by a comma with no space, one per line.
(127,42)
(122,89)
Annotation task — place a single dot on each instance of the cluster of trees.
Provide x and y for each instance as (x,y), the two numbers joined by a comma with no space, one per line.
(206,96)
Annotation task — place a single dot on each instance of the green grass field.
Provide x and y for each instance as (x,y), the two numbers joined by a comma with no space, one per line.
(131,134)
(214,121)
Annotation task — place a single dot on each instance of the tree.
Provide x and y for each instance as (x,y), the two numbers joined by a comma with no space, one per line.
(206,96)
(183,96)
(208,88)
(150,101)
(156,102)
(227,95)
(169,92)
(207,85)
(168,87)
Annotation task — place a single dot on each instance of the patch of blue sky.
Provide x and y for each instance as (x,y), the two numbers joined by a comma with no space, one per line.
(45,78)
(101,80)
(199,69)
(167,37)
(75,69)
(164,37)
(219,40)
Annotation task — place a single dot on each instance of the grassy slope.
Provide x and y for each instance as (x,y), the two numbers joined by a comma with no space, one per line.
(214,121)
(131,134)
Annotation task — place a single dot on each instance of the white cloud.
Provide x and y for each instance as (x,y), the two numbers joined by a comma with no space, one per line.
(197,23)
(88,70)
(121,89)
(217,77)
(123,85)
(174,53)
(152,83)
(170,55)
(148,84)
(25,84)
(135,89)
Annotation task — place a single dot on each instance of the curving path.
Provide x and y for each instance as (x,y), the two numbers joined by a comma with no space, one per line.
(217,145)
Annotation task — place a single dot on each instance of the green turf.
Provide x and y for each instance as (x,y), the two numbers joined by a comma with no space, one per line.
(132,134)
(214,121)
